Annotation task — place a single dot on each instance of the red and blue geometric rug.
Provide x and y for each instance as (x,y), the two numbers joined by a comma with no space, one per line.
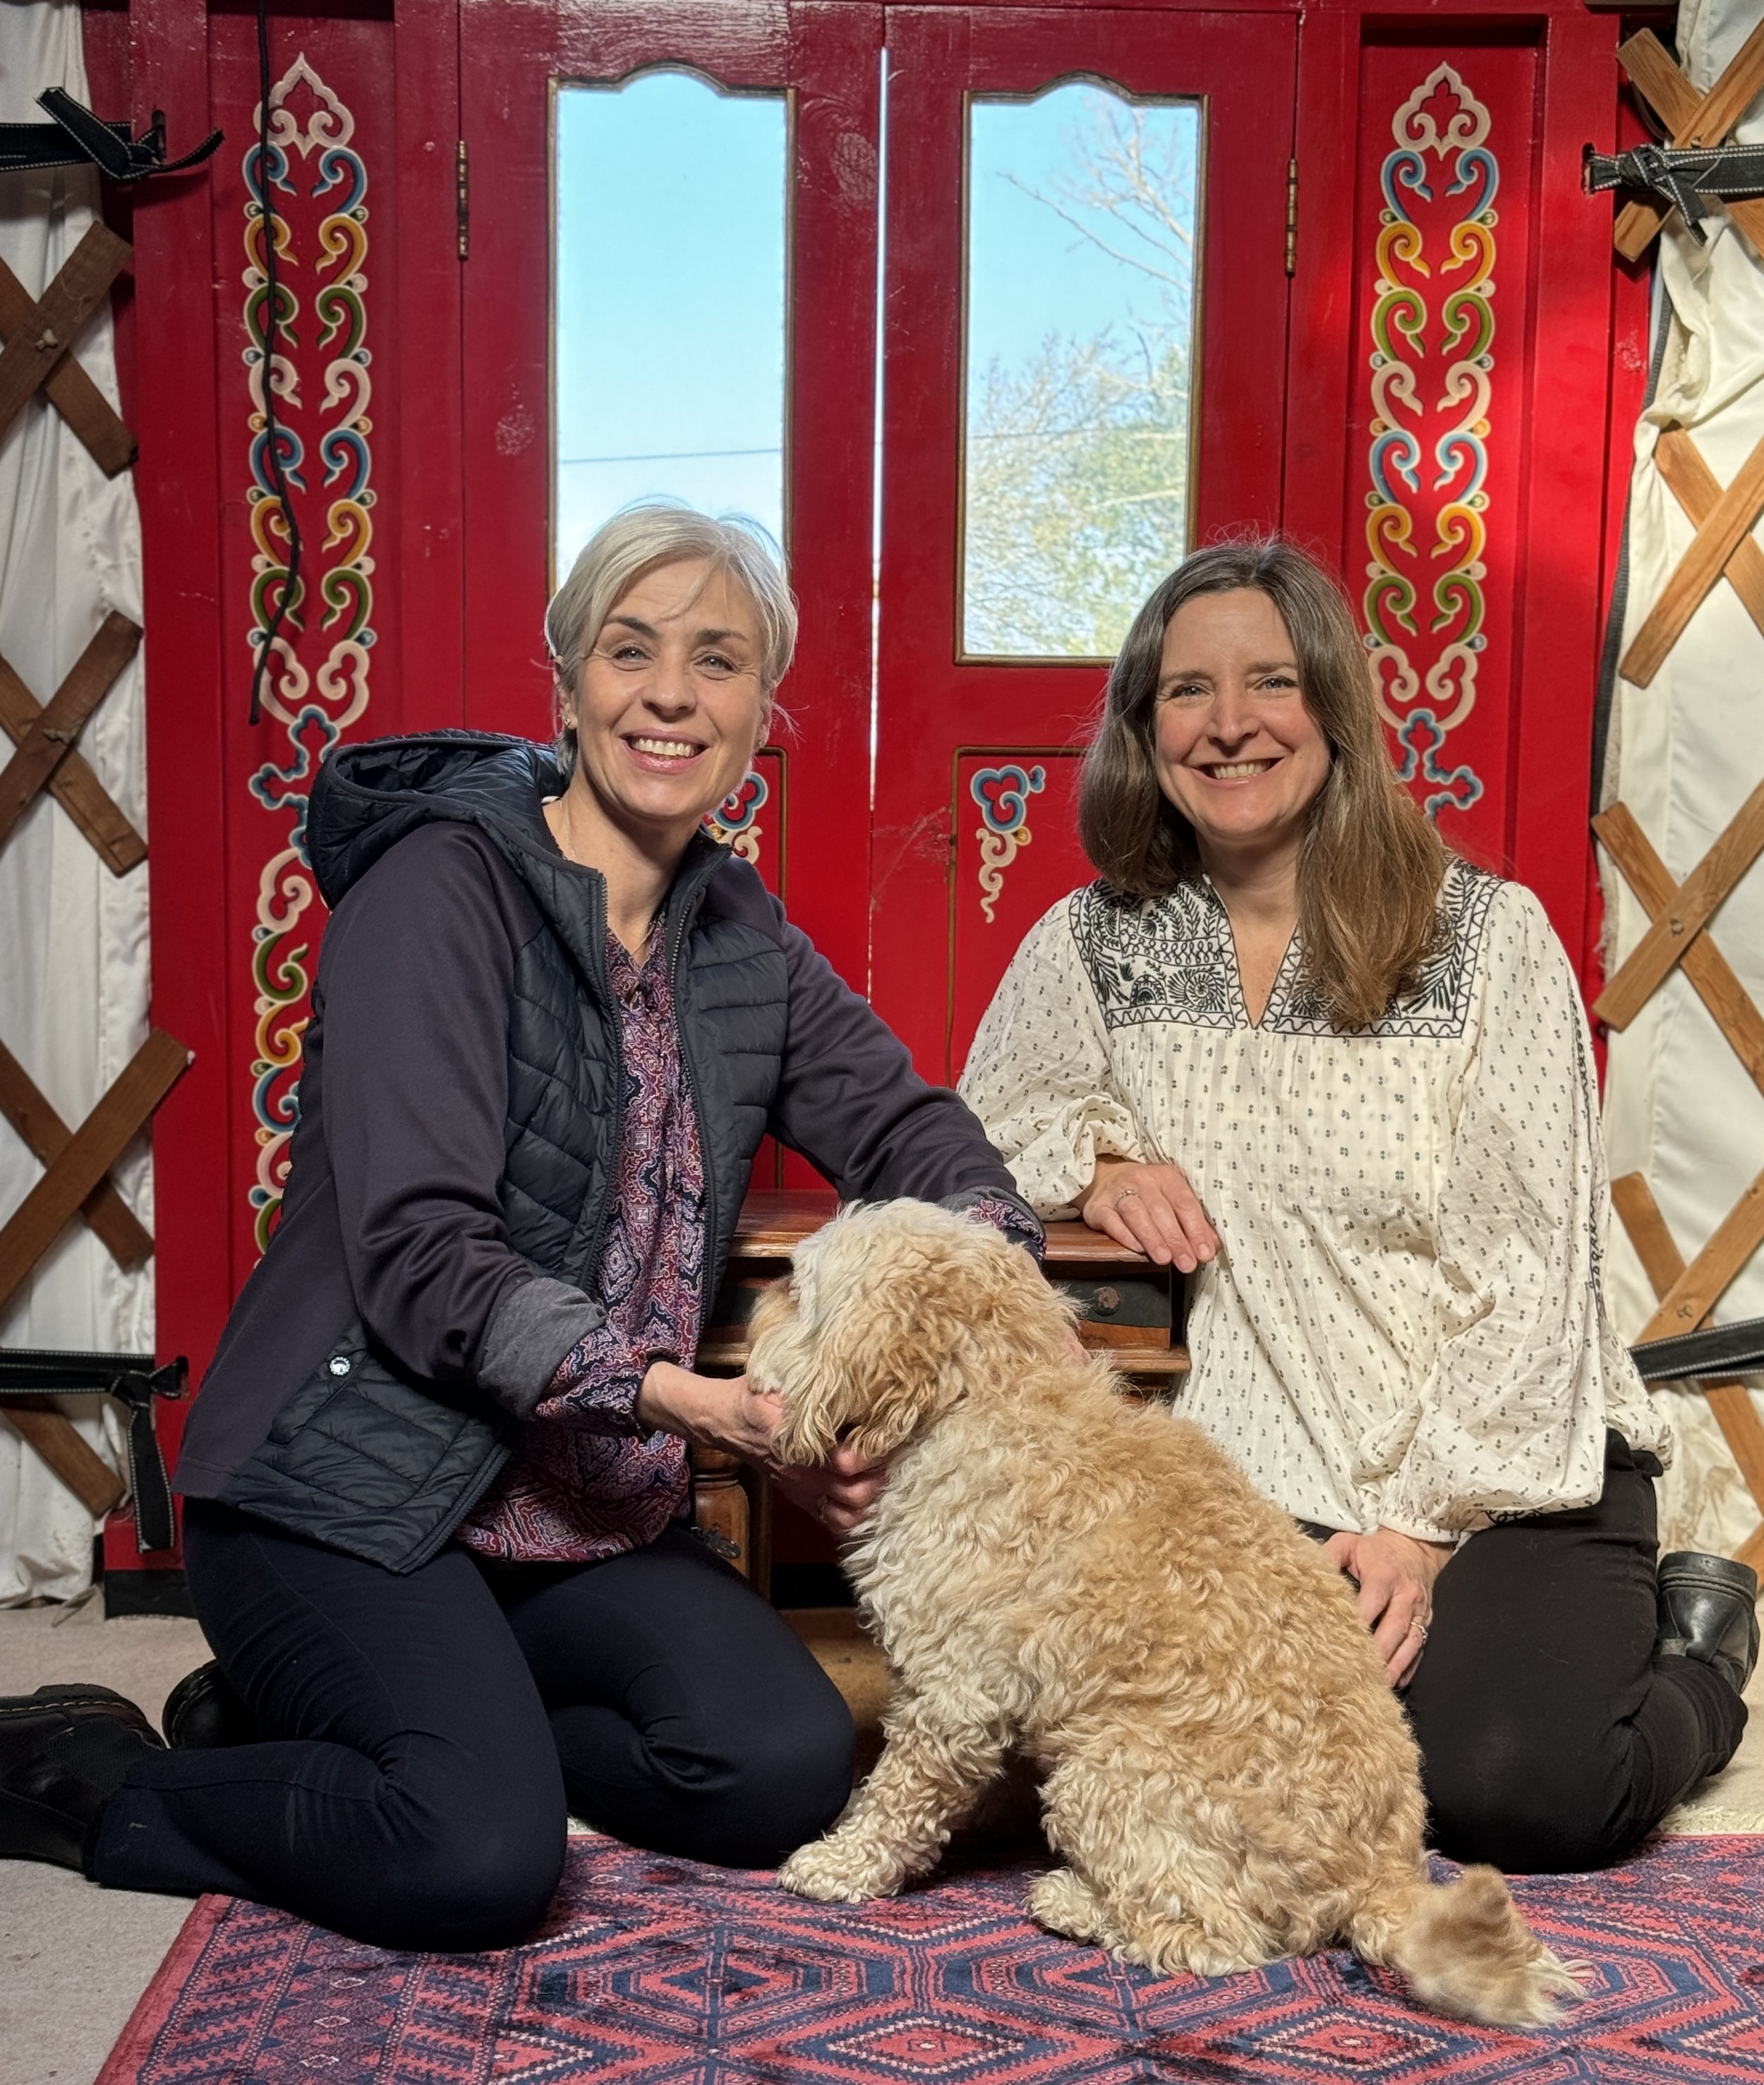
(658,1972)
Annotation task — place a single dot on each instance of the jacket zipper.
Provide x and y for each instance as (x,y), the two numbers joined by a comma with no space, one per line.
(677,934)
(602,985)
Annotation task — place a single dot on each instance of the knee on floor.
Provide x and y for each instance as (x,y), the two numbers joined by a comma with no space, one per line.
(467,1872)
(773,1788)
(1498,1799)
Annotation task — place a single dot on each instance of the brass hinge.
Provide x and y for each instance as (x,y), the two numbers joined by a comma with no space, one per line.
(462,204)
(1292,214)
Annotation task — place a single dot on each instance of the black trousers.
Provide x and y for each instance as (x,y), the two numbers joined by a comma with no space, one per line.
(1552,1740)
(432,1728)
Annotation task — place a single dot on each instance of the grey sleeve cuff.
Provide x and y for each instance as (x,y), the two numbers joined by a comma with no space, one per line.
(531,1330)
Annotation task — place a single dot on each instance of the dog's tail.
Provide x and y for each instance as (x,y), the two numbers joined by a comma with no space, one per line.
(1466,1951)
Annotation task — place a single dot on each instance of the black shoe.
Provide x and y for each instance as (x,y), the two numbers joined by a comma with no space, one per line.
(202,1710)
(64,1751)
(1708,1610)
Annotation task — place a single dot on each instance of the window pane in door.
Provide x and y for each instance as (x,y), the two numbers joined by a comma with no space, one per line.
(1083,235)
(670,348)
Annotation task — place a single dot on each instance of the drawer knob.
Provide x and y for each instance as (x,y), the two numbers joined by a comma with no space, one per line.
(1108,1301)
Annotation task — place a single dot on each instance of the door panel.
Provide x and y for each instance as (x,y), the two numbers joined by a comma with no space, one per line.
(826,57)
(941,936)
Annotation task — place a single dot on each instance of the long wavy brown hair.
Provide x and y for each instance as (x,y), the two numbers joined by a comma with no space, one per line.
(1370,865)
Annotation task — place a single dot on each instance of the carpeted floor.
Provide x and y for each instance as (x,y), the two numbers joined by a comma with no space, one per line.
(74,1960)
(666,1972)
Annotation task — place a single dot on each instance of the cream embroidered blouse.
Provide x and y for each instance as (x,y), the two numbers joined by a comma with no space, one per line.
(1405,1326)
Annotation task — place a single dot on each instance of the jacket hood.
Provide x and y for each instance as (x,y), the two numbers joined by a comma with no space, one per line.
(368,796)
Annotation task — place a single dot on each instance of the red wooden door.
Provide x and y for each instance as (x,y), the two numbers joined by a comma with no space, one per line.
(813,820)
(976,755)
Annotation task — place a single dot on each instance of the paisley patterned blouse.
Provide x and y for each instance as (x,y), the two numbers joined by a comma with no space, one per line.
(1406,1325)
(582,1484)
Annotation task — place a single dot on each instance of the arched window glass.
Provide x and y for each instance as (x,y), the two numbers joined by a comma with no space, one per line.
(1083,234)
(669,347)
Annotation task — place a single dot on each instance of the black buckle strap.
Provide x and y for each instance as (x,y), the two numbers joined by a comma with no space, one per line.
(1682,178)
(135,1380)
(76,137)
(1720,1350)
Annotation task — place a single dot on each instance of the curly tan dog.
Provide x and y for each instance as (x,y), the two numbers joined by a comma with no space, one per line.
(1227,1774)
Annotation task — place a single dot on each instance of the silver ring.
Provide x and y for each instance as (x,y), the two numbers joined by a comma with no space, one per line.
(1127,1194)
(1420,1629)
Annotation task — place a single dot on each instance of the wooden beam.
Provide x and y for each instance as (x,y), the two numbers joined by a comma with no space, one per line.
(58,1442)
(1708,970)
(54,729)
(1697,1291)
(1691,118)
(30,353)
(124,1236)
(1731,1402)
(1730,520)
(68,389)
(74,785)
(1697,490)
(1648,964)
(94,1148)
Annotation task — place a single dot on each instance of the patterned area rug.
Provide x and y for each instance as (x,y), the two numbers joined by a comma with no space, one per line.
(652,1971)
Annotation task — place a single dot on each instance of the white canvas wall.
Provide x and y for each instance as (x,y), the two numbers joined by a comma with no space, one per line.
(1686,752)
(73,938)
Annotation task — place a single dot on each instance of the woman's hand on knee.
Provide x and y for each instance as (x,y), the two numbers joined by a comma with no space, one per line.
(1151,1209)
(1396,1574)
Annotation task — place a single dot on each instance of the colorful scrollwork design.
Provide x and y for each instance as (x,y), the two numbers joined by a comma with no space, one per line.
(1427,456)
(732,824)
(1002,795)
(318,686)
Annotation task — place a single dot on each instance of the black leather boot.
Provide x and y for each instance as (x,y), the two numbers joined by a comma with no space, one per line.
(202,1710)
(64,1751)
(1708,1610)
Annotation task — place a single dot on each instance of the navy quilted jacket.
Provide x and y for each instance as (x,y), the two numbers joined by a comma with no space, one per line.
(460,1098)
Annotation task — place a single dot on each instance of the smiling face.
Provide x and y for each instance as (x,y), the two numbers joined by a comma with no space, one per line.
(1235,748)
(668,708)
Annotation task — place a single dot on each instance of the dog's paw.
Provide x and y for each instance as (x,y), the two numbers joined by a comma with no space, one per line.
(838,1874)
(1064,1903)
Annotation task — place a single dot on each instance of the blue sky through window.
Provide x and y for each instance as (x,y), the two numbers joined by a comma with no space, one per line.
(670,288)
(670,354)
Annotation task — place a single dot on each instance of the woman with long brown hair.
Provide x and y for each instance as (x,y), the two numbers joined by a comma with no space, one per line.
(1290,1043)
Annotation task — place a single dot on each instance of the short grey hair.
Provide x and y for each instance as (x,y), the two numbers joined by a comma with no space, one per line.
(665,532)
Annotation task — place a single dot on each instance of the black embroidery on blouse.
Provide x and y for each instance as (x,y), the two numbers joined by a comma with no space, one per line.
(1172,958)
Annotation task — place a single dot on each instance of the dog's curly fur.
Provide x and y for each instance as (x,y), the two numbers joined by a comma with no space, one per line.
(1052,1567)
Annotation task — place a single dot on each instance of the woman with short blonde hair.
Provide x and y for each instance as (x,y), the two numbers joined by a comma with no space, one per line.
(1293,1045)
(438,1504)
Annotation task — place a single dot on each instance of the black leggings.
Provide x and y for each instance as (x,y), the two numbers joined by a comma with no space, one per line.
(1552,1740)
(431,1728)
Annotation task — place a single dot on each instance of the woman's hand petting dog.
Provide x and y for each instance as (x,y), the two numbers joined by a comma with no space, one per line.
(1394,1574)
(727,1414)
(1152,1209)
(837,1492)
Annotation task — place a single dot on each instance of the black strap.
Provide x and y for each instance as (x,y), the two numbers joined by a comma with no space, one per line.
(1680,177)
(76,137)
(134,1380)
(1721,1350)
